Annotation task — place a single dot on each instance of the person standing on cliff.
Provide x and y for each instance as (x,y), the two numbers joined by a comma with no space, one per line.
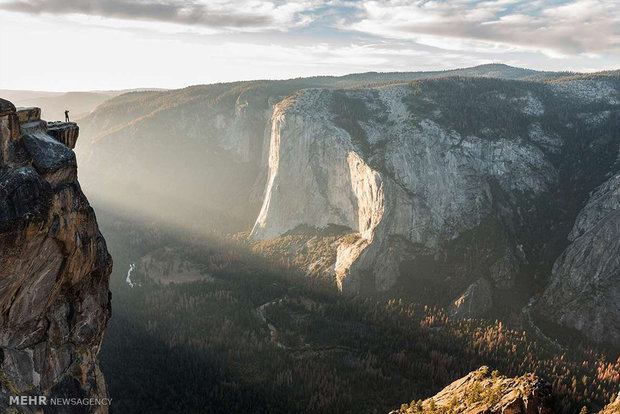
(66,115)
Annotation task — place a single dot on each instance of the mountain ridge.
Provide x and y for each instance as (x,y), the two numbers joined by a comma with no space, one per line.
(522,157)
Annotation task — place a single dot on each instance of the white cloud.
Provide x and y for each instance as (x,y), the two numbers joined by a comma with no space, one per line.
(573,28)
(101,49)
(249,15)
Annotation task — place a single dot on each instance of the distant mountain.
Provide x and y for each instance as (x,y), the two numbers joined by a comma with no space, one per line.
(54,104)
(458,188)
(493,70)
(12,95)
(77,103)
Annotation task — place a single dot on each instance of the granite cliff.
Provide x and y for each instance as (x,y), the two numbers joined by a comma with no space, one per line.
(459,188)
(396,176)
(198,156)
(474,180)
(54,267)
(584,288)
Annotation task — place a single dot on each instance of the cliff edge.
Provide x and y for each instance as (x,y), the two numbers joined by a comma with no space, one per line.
(54,268)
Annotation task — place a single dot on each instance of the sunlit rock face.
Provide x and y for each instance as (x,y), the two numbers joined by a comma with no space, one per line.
(364,160)
(480,178)
(478,392)
(443,181)
(54,266)
(314,156)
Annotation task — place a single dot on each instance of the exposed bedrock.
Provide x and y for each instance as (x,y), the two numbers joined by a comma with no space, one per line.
(480,393)
(584,292)
(442,181)
(472,182)
(401,181)
(54,267)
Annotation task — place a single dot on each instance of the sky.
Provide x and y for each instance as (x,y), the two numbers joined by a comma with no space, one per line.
(63,45)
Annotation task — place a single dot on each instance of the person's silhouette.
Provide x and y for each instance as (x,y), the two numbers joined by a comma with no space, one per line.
(66,115)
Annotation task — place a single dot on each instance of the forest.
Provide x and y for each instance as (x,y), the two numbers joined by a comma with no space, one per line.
(262,338)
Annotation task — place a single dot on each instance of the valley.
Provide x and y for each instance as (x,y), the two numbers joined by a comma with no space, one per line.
(329,246)
(416,242)
(467,187)
(206,340)
(309,207)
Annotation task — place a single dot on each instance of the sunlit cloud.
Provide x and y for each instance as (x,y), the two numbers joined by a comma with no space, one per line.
(236,14)
(568,28)
(174,43)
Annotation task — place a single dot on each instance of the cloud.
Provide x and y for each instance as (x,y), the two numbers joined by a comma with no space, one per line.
(173,43)
(565,28)
(556,28)
(241,14)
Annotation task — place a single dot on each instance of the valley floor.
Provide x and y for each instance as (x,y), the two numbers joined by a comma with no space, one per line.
(256,337)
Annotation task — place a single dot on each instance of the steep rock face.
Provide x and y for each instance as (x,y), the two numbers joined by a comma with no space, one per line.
(446,180)
(475,301)
(191,156)
(470,182)
(392,177)
(201,152)
(585,286)
(480,393)
(65,132)
(338,186)
(54,266)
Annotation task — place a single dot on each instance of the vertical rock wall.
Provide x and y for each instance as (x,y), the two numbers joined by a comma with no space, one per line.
(54,267)
(584,291)
(363,160)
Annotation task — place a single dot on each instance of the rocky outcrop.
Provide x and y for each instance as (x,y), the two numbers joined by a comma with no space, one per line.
(65,132)
(585,286)
(481,393)
(505,270)
(613,407)
(54,267)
